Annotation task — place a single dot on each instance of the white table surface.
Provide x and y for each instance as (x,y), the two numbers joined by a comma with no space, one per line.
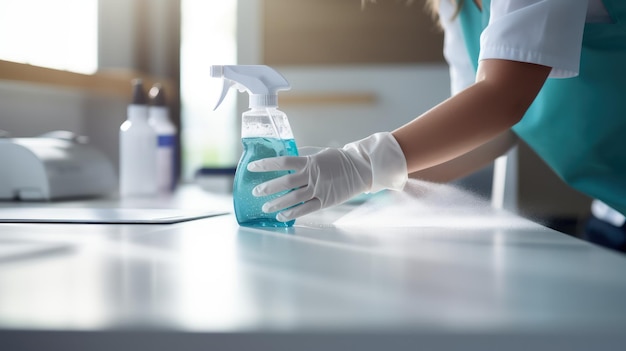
(430,268)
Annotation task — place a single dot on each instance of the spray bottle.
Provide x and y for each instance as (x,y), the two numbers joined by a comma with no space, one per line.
(265,132)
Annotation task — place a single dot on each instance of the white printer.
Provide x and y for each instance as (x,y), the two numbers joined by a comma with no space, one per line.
(56,165)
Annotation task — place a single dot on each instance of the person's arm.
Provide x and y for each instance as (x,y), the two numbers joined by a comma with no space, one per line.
(469,162)
(498,100)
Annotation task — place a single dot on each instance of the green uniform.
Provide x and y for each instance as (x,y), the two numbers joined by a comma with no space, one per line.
(578,125)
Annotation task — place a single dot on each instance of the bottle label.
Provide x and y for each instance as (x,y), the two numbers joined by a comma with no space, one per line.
(166,140)
(166,162)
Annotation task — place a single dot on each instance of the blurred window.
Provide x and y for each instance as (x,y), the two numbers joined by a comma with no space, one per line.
(208,37)
(59,34)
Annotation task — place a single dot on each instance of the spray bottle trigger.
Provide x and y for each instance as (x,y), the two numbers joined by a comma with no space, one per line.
(240,88)
(227,84)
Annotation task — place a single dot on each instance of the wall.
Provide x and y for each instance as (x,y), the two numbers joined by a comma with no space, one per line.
(392,80)
(321,32)
(29,110)
(396,97)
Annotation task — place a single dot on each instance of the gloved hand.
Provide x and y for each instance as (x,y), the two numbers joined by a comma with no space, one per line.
(332,176)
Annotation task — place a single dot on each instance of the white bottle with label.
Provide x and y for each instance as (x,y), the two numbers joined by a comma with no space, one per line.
(138,146)
(160,121)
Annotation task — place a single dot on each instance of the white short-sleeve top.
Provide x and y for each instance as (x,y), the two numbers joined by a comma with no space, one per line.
(545,32)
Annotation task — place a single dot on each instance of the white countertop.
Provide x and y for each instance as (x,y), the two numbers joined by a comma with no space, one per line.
(432,267)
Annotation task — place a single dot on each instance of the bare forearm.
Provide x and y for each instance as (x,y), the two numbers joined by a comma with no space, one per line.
(503,92)
(470,161)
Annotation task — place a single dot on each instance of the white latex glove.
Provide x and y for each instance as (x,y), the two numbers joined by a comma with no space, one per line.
(332,176)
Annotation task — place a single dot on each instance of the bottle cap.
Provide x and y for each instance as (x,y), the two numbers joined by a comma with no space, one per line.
(157,95)
(139,95)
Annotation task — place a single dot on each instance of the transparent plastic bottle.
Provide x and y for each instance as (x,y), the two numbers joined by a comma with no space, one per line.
(259,138)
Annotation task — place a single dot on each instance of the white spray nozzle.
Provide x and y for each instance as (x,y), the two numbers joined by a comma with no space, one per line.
(261,82)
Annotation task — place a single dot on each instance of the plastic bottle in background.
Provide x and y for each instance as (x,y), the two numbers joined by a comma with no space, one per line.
(137,148)
(160,121)
(265,132)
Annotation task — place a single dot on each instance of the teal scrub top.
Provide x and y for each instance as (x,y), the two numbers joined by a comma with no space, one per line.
(578,125)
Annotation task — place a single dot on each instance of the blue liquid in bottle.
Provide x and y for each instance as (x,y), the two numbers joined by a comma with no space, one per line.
(247,206)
